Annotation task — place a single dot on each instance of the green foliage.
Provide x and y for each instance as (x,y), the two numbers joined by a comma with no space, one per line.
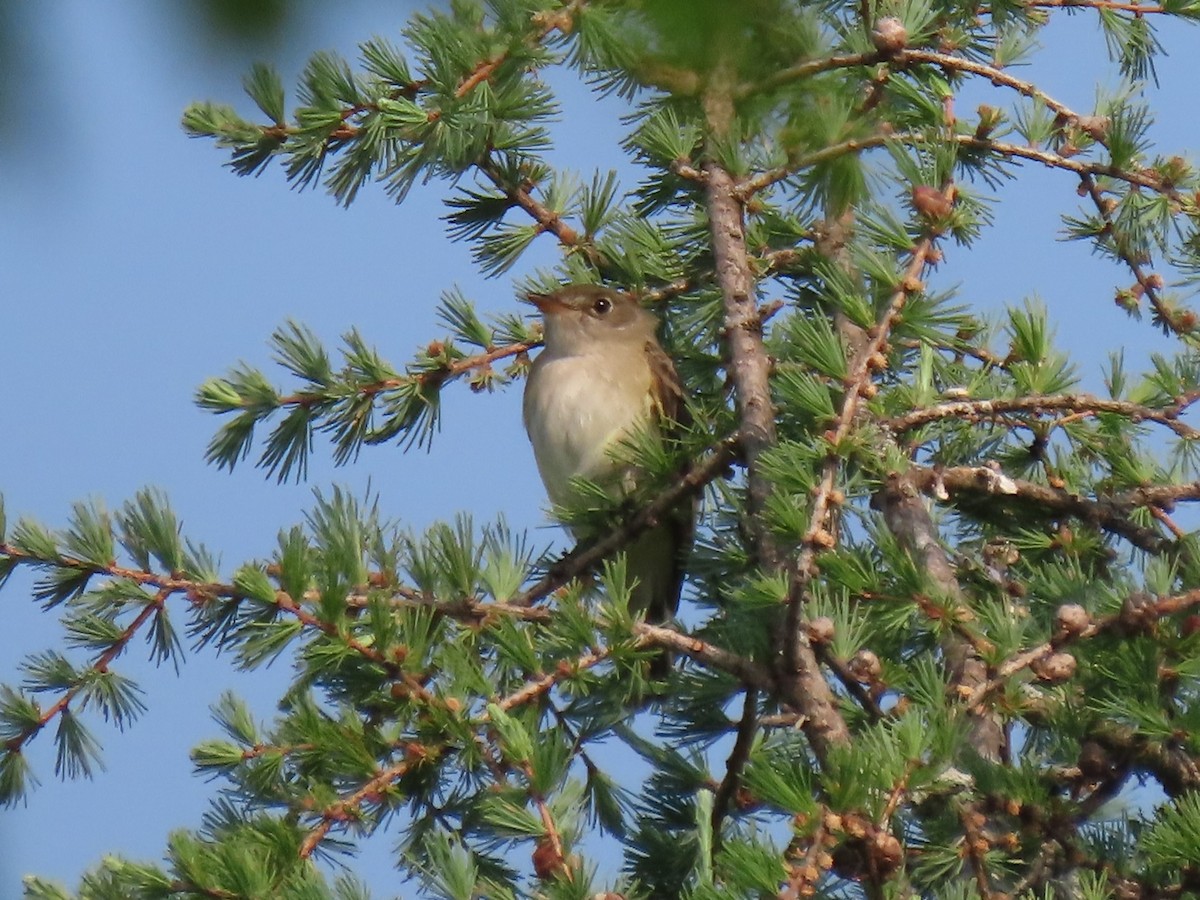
(366,401)
(982,564)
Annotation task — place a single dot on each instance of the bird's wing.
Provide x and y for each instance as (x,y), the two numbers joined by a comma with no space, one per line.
(671,413)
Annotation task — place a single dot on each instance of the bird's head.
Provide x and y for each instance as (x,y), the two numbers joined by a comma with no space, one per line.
(579,317)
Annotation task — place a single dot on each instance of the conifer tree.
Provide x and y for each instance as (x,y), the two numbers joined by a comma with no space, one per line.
(942,613)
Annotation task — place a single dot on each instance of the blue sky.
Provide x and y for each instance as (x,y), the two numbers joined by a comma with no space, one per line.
(134,266)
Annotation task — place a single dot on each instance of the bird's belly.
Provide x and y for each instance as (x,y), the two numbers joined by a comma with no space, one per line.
(581,412)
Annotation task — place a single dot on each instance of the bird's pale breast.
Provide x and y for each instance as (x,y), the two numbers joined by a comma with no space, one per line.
(577,407)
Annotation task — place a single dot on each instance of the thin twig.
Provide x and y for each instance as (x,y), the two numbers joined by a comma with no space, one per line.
(804,875)
(186,887)
(855,688)
(550,859)
(463,610)
(738,757)
(199,593)
(535,687)
(519,194)
(586,555)
(1141,178)
(349,808)
(977,846)
(817,537)
(807,69)
(907,57)
(744,669)
(1168,522)
(977,410)
(1138,613)
(1138,9)
(99,665)
(431,377)
(1149,284)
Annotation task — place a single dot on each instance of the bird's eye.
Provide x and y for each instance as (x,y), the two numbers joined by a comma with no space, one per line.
(602,306)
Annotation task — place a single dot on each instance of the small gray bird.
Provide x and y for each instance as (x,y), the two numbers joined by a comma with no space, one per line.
(601,376)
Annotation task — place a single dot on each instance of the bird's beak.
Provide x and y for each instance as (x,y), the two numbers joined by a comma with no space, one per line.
(546,303)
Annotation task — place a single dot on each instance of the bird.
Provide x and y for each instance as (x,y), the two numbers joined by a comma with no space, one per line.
(601,376)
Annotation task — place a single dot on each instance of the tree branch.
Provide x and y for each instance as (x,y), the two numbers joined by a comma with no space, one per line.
(1137,9)
(1110,513)
(1139,612)
(436,377)
(807,69)
(1172,766)
(1149,284)
(546,218)
(586,555)
(745,670)
(976,846)
(350,807)
(99,666)
(903,57)
(799,675)
(797,650)
(535,687)
(749,365)
(980,410)
(1084,168)
(906,517)
(735,764)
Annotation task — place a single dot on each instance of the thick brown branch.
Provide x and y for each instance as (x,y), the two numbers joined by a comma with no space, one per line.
(800,679)
(1113,514)
(749,364)
(907,518)
(1175,769)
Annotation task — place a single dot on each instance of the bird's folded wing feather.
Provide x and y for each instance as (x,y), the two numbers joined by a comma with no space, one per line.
(671,414)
